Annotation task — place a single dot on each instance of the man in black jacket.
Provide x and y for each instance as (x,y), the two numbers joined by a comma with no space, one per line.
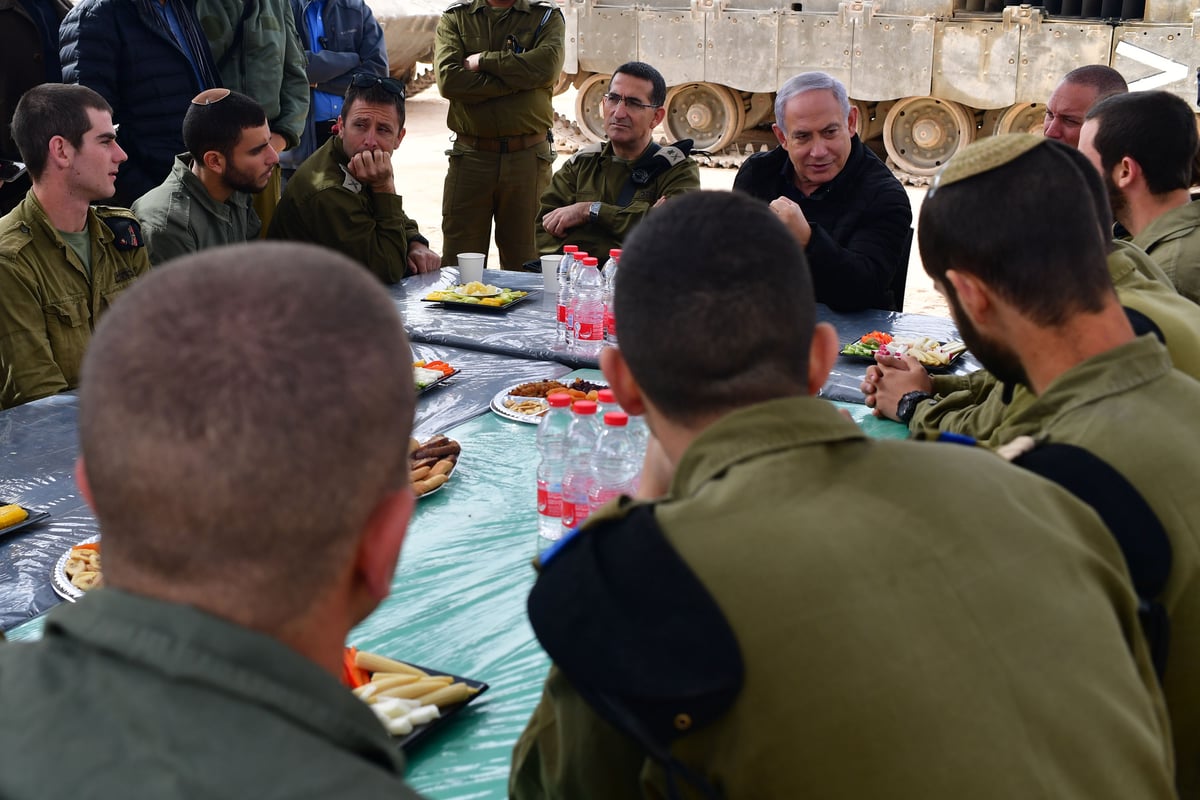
(836,197)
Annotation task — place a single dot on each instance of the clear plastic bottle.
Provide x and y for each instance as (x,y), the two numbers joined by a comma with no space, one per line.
(573,270)
(606,401)
(588,294)
(551,445)
(610,289)
(582,434)
(616,462)
(565,265)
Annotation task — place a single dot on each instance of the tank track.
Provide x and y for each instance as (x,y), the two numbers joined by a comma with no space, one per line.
(419,83)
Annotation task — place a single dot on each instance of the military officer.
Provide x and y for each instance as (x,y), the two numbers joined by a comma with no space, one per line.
(777,617)
(604,190)
(497,62)
(62,261)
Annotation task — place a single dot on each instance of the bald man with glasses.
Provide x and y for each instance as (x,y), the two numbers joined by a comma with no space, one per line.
(606,189)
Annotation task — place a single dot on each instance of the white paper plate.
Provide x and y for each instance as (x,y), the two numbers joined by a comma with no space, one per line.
(58,579)
(498,407)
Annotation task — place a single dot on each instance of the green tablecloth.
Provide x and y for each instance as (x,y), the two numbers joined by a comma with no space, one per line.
(458,602)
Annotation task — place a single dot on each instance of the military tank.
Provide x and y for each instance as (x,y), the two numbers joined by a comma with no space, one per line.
(928,76)
(408,28)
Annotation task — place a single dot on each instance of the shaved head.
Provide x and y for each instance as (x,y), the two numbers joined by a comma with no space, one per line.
(243,411)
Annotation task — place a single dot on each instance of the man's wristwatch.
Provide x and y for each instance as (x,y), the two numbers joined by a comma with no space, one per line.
(594,211)
(908,405)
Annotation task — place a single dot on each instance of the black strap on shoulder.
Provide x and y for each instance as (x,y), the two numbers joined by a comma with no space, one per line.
(646,168)
(127,232)
(1142,324)
(638,636)
(1135,526)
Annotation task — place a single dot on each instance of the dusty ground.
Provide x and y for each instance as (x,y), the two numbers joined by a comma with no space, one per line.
(421,169)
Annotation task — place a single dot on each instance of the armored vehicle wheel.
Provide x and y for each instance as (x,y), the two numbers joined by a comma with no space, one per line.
(921,133)
(1019,118)
(588,112)
(709,114)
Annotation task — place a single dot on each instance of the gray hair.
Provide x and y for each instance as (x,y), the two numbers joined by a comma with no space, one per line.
(807,82)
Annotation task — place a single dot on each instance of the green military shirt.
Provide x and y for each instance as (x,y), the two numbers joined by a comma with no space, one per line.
(325,205)
(132,697)
(595,173)
(511,93)
(179,216)
(1131,409)
(977,404)
(1173,241)
(49,305)
(915,620)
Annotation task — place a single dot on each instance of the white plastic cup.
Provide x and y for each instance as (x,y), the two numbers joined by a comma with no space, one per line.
(470,266)
(550,274)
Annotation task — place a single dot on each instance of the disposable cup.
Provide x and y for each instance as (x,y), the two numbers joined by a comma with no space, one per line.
(470,266)
(550,273)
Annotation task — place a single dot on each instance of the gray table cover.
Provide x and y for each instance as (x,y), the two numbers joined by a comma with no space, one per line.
(39,444)
(526,330)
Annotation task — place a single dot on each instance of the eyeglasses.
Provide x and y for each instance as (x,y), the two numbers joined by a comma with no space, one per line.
(365,80)
(631,103)
(210,96)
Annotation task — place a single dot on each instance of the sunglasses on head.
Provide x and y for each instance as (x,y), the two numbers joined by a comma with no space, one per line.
(365,80)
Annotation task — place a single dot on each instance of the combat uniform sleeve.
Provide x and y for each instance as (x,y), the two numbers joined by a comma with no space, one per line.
(27,366)
(973,405)
(567,752)
(683,177)
(456,82)
(293,91)
(539,66)
(846,274)
(561,192)
(167,242)
(372,229)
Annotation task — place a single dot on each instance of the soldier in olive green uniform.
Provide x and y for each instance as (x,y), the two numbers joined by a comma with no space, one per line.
(1091,383)
(783,621)
(1173,241)
(62,262)
(604,190)
(497,62)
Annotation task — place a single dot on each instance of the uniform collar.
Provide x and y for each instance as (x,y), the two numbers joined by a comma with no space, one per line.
(1179,220)
(521,5)
(748,433)
(1113,372)
(190,645)
(196,188)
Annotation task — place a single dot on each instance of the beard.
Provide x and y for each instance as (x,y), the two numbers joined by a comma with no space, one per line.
(245,181)
(1116,198)
(998,359)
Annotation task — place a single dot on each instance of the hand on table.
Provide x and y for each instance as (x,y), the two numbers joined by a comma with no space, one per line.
(889,379)
(561,220)
(793,218)
(373,168)
(422,259)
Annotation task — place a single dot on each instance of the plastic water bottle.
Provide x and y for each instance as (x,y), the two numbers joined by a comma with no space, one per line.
(606,401)
(551,445)
(581,438)
(573,270)
(561,336)
(616,462)
(639,432)
(610,291)
(588,294)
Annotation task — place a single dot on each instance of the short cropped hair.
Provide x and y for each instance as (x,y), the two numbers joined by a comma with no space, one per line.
(710,324)
(1155,129)
(807,82)
(640,69)
(218,126)
(243,411)
(1104,79)
(49,110)
(375,95)
(1028,229)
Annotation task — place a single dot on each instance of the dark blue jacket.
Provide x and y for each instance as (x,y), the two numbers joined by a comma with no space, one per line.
(353,43)
(144,75)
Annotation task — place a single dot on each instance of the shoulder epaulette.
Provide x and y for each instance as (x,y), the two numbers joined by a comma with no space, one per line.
(675,153)
(591,151)
(15,238)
